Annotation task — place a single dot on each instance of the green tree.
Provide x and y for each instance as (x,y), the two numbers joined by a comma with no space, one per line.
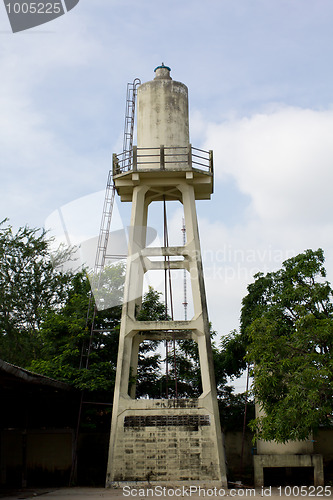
(287,323)
(149,377)
(230,356)
(66,338)
(71,351)
(31,282)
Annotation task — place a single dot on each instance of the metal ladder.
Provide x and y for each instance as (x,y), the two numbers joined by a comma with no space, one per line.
(104,233)
(103,240)
(129,122)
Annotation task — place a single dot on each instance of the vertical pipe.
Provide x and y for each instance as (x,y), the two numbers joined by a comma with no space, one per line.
(244,421)
(135,158)
(162,157)
(185,283)
(165,301)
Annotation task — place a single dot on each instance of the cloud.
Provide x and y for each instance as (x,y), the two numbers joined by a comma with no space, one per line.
(46,159)
(283,160)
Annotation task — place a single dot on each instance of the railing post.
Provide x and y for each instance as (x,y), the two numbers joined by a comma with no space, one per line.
(190,156)
(162,157)
(135,158)
(211,166)
(115,164)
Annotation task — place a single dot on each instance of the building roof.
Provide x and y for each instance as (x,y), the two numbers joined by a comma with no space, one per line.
(11,373)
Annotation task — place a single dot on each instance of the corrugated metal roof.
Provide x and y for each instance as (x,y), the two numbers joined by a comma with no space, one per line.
(31,377)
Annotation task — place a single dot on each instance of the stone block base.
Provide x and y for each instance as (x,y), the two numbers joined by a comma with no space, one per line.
(166,445)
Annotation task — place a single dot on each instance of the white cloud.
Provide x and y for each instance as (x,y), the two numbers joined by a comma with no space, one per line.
(283,160)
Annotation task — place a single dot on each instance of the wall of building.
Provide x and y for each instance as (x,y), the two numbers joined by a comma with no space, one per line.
(240,465)
(36,457)
(323,445)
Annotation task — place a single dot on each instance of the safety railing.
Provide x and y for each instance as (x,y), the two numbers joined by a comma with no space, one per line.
(163,158)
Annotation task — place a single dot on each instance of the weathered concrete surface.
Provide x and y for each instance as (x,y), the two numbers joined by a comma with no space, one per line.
(166,444)
(162,114)
(149,440)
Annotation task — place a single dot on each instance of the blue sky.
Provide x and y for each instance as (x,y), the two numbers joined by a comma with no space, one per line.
(260,77)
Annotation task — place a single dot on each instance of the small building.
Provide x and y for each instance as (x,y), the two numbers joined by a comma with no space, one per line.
(37,428)
(291,461)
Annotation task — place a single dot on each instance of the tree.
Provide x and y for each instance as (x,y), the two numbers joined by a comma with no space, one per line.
(230,357)
(287,322)
(149,377)
(31,282)
(66,337)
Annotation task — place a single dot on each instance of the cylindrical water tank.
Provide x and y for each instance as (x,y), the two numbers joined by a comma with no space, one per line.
(162,119)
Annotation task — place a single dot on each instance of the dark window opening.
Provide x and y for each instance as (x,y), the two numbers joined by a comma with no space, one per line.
(293,476)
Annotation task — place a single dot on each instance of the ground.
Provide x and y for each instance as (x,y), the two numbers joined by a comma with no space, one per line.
(169,492)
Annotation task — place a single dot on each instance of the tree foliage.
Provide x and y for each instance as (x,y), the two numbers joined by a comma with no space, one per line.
(30,284)
(70,351)
(148,380)
(287,318)
(176,372)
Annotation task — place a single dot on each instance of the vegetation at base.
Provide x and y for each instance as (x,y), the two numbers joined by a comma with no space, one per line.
(29,286)
(287,335)
(44,327)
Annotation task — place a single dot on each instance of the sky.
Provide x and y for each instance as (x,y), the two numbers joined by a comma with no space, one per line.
(260,79)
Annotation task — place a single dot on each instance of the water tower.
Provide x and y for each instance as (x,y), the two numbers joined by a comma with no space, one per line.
(164,440)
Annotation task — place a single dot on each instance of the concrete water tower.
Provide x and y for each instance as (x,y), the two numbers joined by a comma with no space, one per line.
(164,440)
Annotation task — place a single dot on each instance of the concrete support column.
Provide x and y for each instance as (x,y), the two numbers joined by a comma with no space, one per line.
(193,242)
(134,364)
(137,241)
